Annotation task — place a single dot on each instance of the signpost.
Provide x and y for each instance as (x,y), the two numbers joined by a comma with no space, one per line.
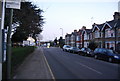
(11,4)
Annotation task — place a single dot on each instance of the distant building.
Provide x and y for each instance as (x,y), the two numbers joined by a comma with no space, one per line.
(30,42)
(68,39)
(73,38)
(78,39)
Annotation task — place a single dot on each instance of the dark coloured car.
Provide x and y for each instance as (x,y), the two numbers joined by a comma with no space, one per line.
(66,47)
(86,52)
(106,54)
(74,50)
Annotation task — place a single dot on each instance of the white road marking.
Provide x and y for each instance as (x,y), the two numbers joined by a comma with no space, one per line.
(89,68)
(48,66)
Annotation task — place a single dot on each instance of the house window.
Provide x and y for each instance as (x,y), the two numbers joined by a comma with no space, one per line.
(85,36)
(97,34)
(90,36)
(107,33)
(87,44)
(112,33)
(118,33)
(78,38)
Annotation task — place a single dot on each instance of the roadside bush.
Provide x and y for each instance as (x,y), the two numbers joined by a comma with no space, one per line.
(17,57)
(93,45)
(19,54)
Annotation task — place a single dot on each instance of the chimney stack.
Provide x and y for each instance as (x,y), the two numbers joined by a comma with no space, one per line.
(116,15)
(75,30)
(84,27)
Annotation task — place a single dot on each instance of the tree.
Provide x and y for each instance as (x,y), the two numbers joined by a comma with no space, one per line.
(55,41)
(61,42)
(28,20)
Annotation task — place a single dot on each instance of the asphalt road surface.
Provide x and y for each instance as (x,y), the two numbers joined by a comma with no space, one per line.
(65,65)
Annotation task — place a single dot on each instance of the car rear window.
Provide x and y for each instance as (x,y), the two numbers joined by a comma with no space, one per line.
(68,46)
(96,50)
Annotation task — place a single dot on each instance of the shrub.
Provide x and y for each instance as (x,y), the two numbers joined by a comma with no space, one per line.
(93,45)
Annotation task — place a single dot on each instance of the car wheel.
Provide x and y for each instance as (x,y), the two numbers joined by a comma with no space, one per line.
(96,57)
(110,59)
(69,51)
(78,53)
(85,54)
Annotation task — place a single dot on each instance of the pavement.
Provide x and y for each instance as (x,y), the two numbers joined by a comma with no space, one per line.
(35,66)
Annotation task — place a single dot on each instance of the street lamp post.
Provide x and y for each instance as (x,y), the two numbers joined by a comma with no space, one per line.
(0,43)
(62,31)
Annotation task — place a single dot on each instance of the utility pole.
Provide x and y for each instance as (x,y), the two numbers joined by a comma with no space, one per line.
(13,4)
(9,46)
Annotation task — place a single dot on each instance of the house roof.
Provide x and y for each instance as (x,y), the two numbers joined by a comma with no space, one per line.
(74,33)
(79,32)
(88,30)
(111,23)
(67,35)
(99,26)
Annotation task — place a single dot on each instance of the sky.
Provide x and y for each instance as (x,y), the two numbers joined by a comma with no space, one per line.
(73,14)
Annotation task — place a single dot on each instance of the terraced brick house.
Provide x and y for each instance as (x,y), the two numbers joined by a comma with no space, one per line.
(73,38)
(86,33)
(68,39)
(117,36)
(107,35)
(97,34)
(78,39)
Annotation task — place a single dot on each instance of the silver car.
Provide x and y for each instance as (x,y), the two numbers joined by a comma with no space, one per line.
(66,47)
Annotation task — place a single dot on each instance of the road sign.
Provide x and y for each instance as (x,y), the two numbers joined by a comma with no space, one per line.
(15,4)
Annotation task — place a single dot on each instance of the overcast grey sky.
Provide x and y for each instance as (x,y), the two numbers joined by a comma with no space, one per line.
(73,14)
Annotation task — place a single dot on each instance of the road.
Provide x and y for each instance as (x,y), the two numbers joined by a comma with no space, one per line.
(66,65)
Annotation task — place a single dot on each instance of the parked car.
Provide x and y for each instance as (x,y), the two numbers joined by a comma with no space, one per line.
(66,47)
(86,52)
(106,54)
(74,50)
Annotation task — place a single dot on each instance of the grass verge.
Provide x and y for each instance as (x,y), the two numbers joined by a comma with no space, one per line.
(17,57)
